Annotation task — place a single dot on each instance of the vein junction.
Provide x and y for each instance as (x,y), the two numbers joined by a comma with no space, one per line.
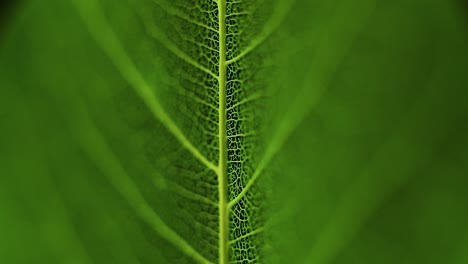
(215,69)
(211,41)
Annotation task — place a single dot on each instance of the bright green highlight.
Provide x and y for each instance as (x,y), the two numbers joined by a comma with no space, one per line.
(234,131)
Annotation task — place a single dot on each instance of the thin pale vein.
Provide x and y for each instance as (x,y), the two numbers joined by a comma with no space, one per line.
(105,37)
(256,231)
(96,147)
(63,223)
(154,32)
(246,100)
(339,33)
(273,23)
(191,195)
(372,187)
(172,11)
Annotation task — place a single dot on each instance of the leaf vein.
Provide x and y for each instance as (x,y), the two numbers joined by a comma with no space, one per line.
(106,39)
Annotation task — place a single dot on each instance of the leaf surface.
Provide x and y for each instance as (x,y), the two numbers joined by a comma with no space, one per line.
(203,131)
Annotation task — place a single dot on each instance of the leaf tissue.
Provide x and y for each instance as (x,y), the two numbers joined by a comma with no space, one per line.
(234,131)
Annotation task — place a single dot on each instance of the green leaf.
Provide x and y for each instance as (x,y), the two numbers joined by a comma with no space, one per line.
(226,131)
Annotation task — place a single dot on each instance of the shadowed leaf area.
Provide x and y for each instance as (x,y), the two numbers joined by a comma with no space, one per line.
(234,131)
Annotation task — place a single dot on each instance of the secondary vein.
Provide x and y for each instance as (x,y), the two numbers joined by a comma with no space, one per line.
(95,146)
(273,23)
(105,37)
(332,32)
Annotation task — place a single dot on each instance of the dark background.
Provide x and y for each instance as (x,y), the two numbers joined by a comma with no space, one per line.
(6,11)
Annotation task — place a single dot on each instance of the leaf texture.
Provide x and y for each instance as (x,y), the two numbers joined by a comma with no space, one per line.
(233,131)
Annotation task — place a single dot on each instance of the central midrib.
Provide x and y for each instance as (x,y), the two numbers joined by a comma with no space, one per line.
(222,163)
